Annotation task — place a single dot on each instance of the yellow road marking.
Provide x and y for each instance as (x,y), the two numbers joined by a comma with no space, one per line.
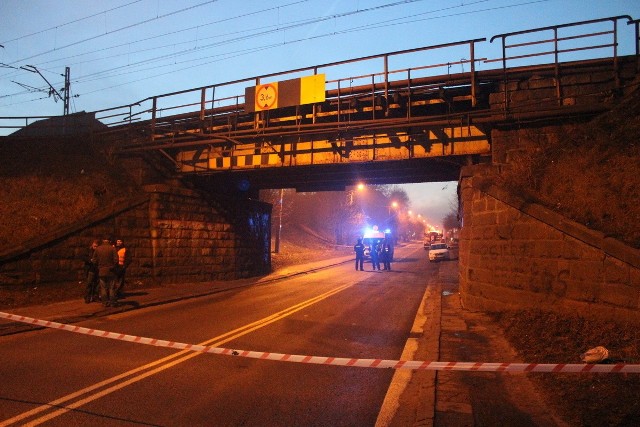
(164,362)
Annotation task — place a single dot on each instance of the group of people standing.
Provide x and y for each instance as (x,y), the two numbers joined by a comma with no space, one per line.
(106,266)
(380,251)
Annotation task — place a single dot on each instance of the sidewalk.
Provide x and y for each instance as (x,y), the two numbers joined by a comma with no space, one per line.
(445,331)
(74,311)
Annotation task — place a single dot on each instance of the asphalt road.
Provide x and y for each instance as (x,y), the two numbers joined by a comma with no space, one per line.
(58,378)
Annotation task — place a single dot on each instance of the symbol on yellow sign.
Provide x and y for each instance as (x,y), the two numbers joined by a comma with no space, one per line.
(266,96)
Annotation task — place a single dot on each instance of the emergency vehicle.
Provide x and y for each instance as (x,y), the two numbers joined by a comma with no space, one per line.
(373,235)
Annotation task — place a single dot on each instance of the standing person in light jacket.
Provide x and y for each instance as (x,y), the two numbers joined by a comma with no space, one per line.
(106,259)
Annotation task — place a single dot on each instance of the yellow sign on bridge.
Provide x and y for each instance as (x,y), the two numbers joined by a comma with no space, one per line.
(287,93)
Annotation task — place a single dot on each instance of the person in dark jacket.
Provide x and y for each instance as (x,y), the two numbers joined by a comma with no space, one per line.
(124,259)
(106,259)
(358,248)
(375,252)
(385,254)
(91,275)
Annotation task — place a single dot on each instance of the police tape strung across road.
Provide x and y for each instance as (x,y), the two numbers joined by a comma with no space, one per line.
(340,361)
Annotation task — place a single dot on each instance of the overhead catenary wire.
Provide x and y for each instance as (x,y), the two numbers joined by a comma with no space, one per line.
(294,24)
(70,22)
(141,66)
(126,27)
(262,32)
(371,26)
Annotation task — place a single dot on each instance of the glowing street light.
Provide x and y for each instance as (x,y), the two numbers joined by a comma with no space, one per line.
(360,187)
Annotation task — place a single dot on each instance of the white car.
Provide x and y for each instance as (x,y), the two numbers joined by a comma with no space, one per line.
(438,252)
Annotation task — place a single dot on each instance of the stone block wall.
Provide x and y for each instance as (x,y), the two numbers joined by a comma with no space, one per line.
(575,84)
(174,235)
(515,255)
(195,239)
(58,257)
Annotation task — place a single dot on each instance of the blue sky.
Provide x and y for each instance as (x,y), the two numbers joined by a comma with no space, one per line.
(122,51)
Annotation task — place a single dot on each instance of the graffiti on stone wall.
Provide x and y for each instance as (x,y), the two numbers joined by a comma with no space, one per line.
(541,280)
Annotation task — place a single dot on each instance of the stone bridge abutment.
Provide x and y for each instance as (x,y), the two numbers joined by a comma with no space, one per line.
(519,255)
(175,235)
(515,254)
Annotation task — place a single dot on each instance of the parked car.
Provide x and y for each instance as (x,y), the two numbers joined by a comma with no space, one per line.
(439,252)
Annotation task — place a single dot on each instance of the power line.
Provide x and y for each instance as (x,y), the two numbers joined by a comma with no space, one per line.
(260,33)
(377,25)
(274,28)
(126,27)
(176,32)
(289,26)
(70,22)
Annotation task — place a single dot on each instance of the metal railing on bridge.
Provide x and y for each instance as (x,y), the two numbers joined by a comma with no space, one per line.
(386,94)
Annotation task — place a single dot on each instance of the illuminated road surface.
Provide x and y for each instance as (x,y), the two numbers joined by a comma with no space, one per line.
(59,378)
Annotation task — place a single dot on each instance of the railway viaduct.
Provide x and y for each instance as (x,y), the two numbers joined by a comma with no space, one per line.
(202,155)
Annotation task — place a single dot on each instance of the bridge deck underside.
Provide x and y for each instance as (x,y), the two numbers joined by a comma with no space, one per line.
(427,127)
(419,121)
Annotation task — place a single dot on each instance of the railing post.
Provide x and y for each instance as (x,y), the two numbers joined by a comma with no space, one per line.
(556,65)
(472,54)
(504,75)
(213,100)
(409,93)
(256,119)
(616,65)
(339,101)
(636,23)
(233,125)
(386,85)
(203,106)
(373,96)
(313,107)
(153,117)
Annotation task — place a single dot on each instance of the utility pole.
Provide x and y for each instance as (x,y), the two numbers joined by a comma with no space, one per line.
(277,248)
(67,86)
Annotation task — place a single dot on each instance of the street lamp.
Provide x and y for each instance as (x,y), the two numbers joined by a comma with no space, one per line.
(360,187)
(393,205)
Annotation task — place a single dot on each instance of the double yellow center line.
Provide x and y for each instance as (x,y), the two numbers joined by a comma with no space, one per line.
(108,386)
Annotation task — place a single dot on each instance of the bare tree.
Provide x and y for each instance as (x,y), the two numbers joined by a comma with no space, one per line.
(451,222)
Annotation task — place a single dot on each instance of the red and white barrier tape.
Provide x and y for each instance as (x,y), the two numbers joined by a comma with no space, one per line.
(340,361)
